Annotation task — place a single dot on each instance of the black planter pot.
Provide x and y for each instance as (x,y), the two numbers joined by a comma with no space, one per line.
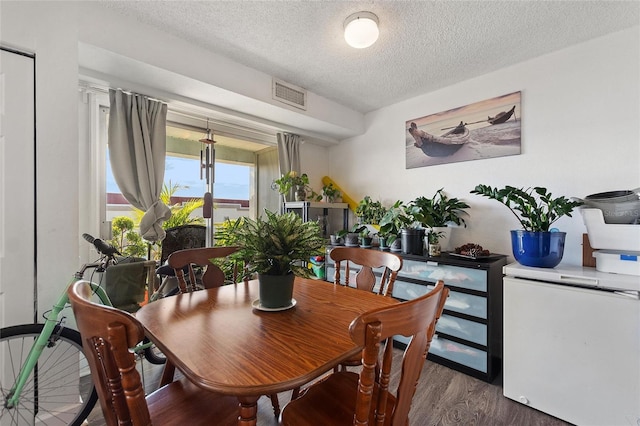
(412,241)
(276,291)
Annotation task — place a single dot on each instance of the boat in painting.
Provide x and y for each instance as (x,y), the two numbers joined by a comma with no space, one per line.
(443,145)
(501,117)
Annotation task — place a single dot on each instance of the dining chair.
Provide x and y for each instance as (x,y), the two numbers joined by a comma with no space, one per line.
(107,334)
(367,260)
(365,398)
(213,276)
(365,279)
(189,259)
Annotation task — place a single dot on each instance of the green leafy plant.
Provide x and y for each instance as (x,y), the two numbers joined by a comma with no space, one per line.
(313,195)
(394,220)
(278,244)
(290,180)
(439,210)
(125,238)
(434,236)
(535,208)
(331,192)
(370,211)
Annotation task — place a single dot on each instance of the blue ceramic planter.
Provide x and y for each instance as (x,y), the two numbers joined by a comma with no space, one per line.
(538,249)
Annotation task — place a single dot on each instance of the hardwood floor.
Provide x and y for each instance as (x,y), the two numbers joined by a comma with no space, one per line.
(444,397)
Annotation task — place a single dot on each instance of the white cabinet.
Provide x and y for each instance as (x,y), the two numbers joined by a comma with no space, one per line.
(572,352)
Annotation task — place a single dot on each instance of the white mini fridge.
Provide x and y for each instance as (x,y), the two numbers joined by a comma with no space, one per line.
(572,343)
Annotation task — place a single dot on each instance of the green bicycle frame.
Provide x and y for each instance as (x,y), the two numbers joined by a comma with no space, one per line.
(43,339)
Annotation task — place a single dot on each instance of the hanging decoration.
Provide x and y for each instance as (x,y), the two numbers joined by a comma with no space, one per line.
(207,170)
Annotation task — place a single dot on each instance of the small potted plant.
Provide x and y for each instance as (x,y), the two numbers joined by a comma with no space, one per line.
(391,224)
(433,242)
(277,248)
(438,213)
(292,180)
(536,209)
(351,237)
(365,237)
(331,193)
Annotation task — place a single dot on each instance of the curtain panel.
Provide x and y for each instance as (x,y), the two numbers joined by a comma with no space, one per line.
(137,149)
(288,156)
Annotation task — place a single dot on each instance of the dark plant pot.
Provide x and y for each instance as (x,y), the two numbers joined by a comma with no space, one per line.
(538,249)
(382,241)
(366,241)
(276,291)
(396,245)
(412,241)
(336,241)
(352,239)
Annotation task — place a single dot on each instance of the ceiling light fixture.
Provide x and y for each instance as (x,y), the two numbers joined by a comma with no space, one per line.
(361,29)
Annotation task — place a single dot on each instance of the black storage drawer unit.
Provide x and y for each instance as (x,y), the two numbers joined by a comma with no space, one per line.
(469,334)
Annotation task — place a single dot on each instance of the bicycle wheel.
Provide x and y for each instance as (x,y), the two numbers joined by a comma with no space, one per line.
(153,354)
(54,392)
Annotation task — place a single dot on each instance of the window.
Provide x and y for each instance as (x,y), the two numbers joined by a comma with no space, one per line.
(234,187)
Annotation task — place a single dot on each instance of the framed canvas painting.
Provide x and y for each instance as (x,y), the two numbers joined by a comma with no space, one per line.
(486,129)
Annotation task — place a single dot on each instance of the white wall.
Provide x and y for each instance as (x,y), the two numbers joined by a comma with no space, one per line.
(580,135)
(50,33)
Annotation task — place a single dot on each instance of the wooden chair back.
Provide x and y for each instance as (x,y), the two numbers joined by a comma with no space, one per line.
(415,319)
(367,260)
(107,334)
(187,259)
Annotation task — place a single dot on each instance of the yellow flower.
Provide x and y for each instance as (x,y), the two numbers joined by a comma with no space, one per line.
(293,173)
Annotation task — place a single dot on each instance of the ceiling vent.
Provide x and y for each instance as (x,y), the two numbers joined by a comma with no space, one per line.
(289,94)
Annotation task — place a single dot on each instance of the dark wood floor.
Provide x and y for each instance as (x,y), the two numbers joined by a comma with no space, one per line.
(444,397)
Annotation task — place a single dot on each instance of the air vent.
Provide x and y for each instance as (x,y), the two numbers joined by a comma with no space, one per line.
(289,94)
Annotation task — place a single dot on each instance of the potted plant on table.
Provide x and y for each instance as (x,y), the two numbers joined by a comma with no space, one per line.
(331,193)
(394,220)
(277,248)
(536,210)
(438,213)
(433,242)
(351,237)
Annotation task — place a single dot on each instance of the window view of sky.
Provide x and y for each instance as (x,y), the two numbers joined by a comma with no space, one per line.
(231,181)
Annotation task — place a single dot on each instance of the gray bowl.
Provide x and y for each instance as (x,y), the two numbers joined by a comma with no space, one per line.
(624,212)
(614,196)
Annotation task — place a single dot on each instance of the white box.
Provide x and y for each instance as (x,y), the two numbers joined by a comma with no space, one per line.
(618,262)
(610,236)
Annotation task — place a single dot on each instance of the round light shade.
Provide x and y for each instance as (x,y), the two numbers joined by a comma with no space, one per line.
(361,29)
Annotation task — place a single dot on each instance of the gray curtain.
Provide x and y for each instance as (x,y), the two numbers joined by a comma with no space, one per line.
(288,155)
(288,152)
(137,148)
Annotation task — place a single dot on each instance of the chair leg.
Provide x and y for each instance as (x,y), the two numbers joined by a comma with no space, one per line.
(276,404)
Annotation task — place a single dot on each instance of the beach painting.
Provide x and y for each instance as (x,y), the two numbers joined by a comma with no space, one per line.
(486,129)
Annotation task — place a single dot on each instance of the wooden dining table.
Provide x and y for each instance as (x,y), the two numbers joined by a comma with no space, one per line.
(222,343)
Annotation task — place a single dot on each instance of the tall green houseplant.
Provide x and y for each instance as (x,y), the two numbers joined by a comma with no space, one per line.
(278,244)
(535,208)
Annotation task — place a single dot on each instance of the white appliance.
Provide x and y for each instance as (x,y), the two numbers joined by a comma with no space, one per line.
(572,343)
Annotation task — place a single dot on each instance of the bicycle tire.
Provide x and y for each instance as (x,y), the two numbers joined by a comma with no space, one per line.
(55,393)
(153,354)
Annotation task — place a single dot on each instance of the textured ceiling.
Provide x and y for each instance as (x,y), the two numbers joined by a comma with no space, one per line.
(423,45)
